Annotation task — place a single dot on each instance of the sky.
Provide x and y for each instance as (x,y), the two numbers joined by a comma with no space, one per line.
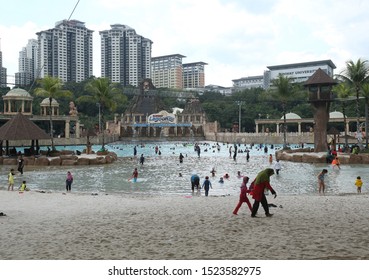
(236,38)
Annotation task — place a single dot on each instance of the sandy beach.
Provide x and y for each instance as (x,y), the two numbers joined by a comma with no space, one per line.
(79,226)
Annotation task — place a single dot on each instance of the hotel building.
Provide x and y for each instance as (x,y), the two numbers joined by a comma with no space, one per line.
(194,75)
(167,71)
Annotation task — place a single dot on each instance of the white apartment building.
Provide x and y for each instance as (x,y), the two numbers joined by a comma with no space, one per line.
(249,82)
(3,78)
(66,51)
(167,71)
(299,72)
(27,64)
(125,55)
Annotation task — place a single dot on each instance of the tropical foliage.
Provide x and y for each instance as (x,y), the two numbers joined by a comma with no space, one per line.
(356,75)
(103,94)
(51,87)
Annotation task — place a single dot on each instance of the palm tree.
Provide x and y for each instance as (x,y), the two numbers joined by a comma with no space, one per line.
(283,90)
(51,87)
(356,75)
(343,91)
(365,89)
(104,94)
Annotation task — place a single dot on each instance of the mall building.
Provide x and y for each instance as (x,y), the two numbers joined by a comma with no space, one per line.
(299,72)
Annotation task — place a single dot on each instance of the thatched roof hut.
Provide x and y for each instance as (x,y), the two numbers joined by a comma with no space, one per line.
(21,128)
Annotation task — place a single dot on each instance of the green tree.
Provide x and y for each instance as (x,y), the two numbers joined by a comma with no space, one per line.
(106,95)
(283,90)
(343,91)
(356,75)
(51,87)
(365,89)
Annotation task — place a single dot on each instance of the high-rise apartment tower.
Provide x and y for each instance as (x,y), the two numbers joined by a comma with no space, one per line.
(27,64)
(66,51)
(125,55)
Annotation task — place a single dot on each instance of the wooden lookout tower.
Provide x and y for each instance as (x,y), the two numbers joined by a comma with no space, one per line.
(319,87)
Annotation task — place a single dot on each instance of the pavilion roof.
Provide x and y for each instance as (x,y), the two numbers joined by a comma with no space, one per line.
(320,78)
(21,128)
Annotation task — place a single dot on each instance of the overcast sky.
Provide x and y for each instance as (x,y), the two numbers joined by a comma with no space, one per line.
(237,38)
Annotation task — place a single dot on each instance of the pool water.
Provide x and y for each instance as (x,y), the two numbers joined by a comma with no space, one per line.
(159,175)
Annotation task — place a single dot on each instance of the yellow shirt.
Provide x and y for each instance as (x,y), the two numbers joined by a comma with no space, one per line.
(23,187)
(358,183)
(11,178)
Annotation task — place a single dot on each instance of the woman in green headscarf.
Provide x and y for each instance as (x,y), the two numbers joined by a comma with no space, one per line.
(260,183)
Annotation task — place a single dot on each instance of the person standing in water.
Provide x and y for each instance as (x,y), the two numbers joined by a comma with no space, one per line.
(134,176)
(20,164)
(195,182)
(213,172)
(181,157)
(321,183)
(207,185)
(11,180)
(142,159)
(235,152)
(277,167)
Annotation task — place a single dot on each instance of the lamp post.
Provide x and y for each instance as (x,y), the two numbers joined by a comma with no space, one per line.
(239,103)
(99,105)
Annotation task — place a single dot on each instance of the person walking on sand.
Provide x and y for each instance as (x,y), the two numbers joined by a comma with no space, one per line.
(69,181)
(260,184)
(321,183)
(11,180)
(358,184)
(243,196)
(207,185)
(270,158)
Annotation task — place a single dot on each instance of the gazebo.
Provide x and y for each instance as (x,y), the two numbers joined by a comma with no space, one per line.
(17,100)
(21,128)
(45,106)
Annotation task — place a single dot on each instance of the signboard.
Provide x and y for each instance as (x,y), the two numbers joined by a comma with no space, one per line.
(162,125)
(163,117)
